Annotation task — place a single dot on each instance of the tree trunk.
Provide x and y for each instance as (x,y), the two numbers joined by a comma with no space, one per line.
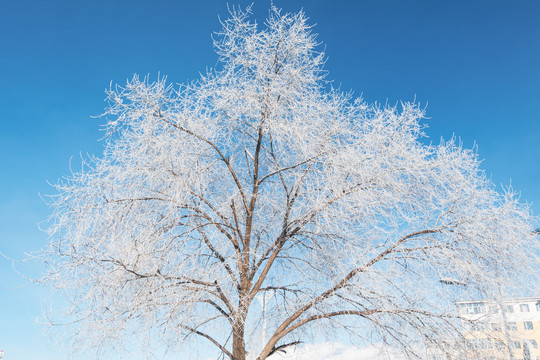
(239,347)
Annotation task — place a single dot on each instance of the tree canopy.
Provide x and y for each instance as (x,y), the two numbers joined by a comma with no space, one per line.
(261,178)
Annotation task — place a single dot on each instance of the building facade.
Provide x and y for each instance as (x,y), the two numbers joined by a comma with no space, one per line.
(493,330)
(501,330)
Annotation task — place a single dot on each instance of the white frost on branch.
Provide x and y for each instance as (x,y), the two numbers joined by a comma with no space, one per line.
(261,177)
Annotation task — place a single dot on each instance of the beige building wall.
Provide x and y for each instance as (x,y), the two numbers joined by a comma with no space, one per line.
(501,330)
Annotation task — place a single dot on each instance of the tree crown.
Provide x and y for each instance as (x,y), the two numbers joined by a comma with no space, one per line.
(260,177)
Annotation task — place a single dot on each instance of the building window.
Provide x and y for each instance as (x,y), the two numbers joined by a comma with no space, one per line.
(499,345)
(477,344)
(476,326)
(511,326)
(473,308)
(528,325)
(509,308)
(534,344)
(538,306)
(496,327)
(493,309)
(516,344)
(524,307)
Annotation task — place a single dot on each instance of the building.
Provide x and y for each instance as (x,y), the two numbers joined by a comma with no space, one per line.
(501,330)
(447,349)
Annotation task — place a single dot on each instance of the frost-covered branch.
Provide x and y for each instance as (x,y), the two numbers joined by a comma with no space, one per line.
(261,178)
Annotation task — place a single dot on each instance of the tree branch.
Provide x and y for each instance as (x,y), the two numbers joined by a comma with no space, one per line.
(195,331)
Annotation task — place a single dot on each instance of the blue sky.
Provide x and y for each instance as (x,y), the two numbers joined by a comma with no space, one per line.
(475,64)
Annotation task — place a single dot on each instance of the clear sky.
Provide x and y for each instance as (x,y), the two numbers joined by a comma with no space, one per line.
(475,64)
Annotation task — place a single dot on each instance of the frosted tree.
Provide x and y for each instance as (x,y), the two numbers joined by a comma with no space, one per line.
(261,178)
